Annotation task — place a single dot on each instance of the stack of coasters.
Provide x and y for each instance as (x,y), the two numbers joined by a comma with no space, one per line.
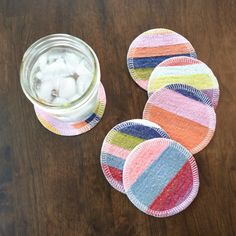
(120,141)
(159,174)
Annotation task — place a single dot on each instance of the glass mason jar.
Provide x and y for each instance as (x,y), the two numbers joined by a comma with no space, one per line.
(60,75)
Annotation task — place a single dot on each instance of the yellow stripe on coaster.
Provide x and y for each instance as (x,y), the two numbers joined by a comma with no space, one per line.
(159,31)
(199,81)
(100,109)
(47,125)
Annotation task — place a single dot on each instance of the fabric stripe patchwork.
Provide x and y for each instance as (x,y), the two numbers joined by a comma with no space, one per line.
(167,184)
(60,127)
(150,62)
(124,140)
(113,161)
(155,177)
(150,156)
(120,141)
(178,188)
(185,113)
(185,70)
(115,174)
(153,47)
(114,149)
(159,50)
(147,132)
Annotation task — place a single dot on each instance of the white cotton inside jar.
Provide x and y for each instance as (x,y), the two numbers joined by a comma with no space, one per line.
(61,76)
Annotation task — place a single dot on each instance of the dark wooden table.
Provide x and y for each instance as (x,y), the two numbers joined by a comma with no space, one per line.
(52,185)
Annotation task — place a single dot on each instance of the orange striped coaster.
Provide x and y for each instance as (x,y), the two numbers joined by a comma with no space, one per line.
(185,113)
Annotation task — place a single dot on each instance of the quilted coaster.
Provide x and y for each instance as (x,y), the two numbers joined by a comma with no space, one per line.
(185,113)
(161,177)
(185,70)
(120,141)
(151,48)
(70,129)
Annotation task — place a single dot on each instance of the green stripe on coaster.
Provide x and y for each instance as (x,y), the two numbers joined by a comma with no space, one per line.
(143,73)
(201,81)
(125,141)
(99,112)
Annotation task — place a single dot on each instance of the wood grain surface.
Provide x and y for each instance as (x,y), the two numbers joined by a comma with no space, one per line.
(52,185)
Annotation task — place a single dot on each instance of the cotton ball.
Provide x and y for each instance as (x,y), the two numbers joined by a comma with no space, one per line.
(39,75)
(70,69)
(67,88)
(57,68)
(72,60)
(42,61)
(88,64)
(45,91)
(53,55)
(60,61)
(37,84)
(82,84)
(82,69)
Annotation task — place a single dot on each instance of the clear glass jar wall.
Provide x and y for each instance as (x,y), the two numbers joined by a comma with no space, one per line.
(60,74)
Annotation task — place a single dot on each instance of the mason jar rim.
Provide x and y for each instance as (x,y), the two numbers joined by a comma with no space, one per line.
(45,43)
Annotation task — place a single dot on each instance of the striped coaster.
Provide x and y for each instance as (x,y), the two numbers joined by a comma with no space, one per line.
(70,129)
(185,113)
(151,48)
(120,141)
(161,177)
(185,70)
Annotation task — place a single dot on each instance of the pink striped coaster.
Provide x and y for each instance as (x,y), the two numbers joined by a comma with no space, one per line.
(70,129)
(160,177)
(151,48)
(120,141)
(185,70)
(185,113)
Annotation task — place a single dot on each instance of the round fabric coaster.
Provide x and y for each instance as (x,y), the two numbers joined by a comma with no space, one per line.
(185,113)
(120,141)
(185,70)
(67,129)
(161,177)
(151,48)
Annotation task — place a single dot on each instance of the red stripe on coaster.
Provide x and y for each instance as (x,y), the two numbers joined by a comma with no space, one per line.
(176,191)
(115,173)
